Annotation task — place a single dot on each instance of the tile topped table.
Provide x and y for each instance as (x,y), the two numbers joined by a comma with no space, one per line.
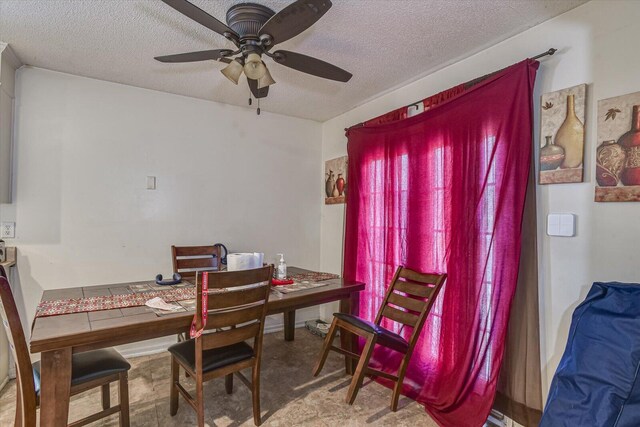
(57,337)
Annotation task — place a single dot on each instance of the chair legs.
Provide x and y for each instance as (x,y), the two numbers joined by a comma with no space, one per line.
(361,369)
(398,386)
(199,401)
(123,395)
(328,341)
(106,396)
(18,420)
(175,376)
(228,383)
(255,395)
(363,363)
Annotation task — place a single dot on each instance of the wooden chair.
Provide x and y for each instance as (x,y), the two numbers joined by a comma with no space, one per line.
(237,313)
(408,300)
(91,369)
(187,260)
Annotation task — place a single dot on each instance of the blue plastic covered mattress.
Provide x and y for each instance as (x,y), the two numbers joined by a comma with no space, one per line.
(596,383)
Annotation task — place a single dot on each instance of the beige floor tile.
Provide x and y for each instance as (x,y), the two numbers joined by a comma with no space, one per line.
(290,396)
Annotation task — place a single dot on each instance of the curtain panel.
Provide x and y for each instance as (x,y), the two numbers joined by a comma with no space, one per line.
(519,390)
(444,191)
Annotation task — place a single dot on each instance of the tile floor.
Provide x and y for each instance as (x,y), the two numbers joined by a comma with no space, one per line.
(290,395)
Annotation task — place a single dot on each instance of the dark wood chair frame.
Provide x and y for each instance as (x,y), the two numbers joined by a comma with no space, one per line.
(187,260)
(26,399)
(235,315)
(408,300)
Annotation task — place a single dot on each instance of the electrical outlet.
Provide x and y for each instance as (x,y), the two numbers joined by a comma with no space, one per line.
(7,230)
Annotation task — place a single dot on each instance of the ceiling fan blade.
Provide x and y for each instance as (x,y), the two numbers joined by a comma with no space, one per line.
(200,16)
(294,19)
(258,93)
(203,55)
(310,65)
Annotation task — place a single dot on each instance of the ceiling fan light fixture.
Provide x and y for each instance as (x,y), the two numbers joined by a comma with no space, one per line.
(265,80)
(254,29)
(254,68)
(233,71)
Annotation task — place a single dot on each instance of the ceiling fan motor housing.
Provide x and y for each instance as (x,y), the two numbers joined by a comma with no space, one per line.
(246,19)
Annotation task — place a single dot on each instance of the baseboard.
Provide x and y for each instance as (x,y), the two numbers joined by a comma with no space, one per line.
(160,345)
(4,382)
(277,328)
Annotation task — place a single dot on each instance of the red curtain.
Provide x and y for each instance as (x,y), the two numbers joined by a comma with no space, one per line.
(428,103)
(392,116)
(439,98)
(444,191)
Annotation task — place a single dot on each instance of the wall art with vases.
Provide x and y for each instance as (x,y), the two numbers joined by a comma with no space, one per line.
(562,135)
(618,152)
(335,180)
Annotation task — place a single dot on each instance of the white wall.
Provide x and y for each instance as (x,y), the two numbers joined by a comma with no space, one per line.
(84,148)
(598,44)
(8,65)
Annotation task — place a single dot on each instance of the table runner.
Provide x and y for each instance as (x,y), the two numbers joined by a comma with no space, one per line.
(312,276)
(109,302)
(136,299)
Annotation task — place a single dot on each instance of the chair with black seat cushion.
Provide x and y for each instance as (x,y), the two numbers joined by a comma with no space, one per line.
(236,311)
(91,369)
(408,300)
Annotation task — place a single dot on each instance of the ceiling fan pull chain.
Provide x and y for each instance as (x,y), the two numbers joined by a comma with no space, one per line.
(258,110)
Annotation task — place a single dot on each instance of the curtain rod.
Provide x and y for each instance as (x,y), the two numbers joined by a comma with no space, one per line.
(475,81)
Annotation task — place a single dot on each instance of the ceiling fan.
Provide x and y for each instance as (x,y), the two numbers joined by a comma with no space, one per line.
(255,30)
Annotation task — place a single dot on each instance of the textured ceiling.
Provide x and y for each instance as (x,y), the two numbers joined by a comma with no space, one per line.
(382,42)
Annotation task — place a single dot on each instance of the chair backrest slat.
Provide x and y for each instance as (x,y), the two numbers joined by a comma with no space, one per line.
(409,298)
(187,260)
(414,276)
(237,297)
(223,319)
(18,344)
(196,263)
(196,250)
(413,288)
(400,316)
(230,336)
(230,279)
(406,302)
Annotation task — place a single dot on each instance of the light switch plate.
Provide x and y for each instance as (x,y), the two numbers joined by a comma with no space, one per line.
(7,230)
(561,224)
(151,183)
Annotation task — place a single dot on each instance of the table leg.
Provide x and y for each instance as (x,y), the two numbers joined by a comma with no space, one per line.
(348,341)
(55,387)
(289,325)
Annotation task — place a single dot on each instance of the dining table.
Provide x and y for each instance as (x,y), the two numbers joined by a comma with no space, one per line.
(57,337)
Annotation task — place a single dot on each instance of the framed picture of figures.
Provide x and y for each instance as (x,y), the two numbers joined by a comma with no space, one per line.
(562,135)
(618,152)
(335,180)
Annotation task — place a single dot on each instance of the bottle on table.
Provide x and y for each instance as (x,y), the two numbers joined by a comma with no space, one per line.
(281,272)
